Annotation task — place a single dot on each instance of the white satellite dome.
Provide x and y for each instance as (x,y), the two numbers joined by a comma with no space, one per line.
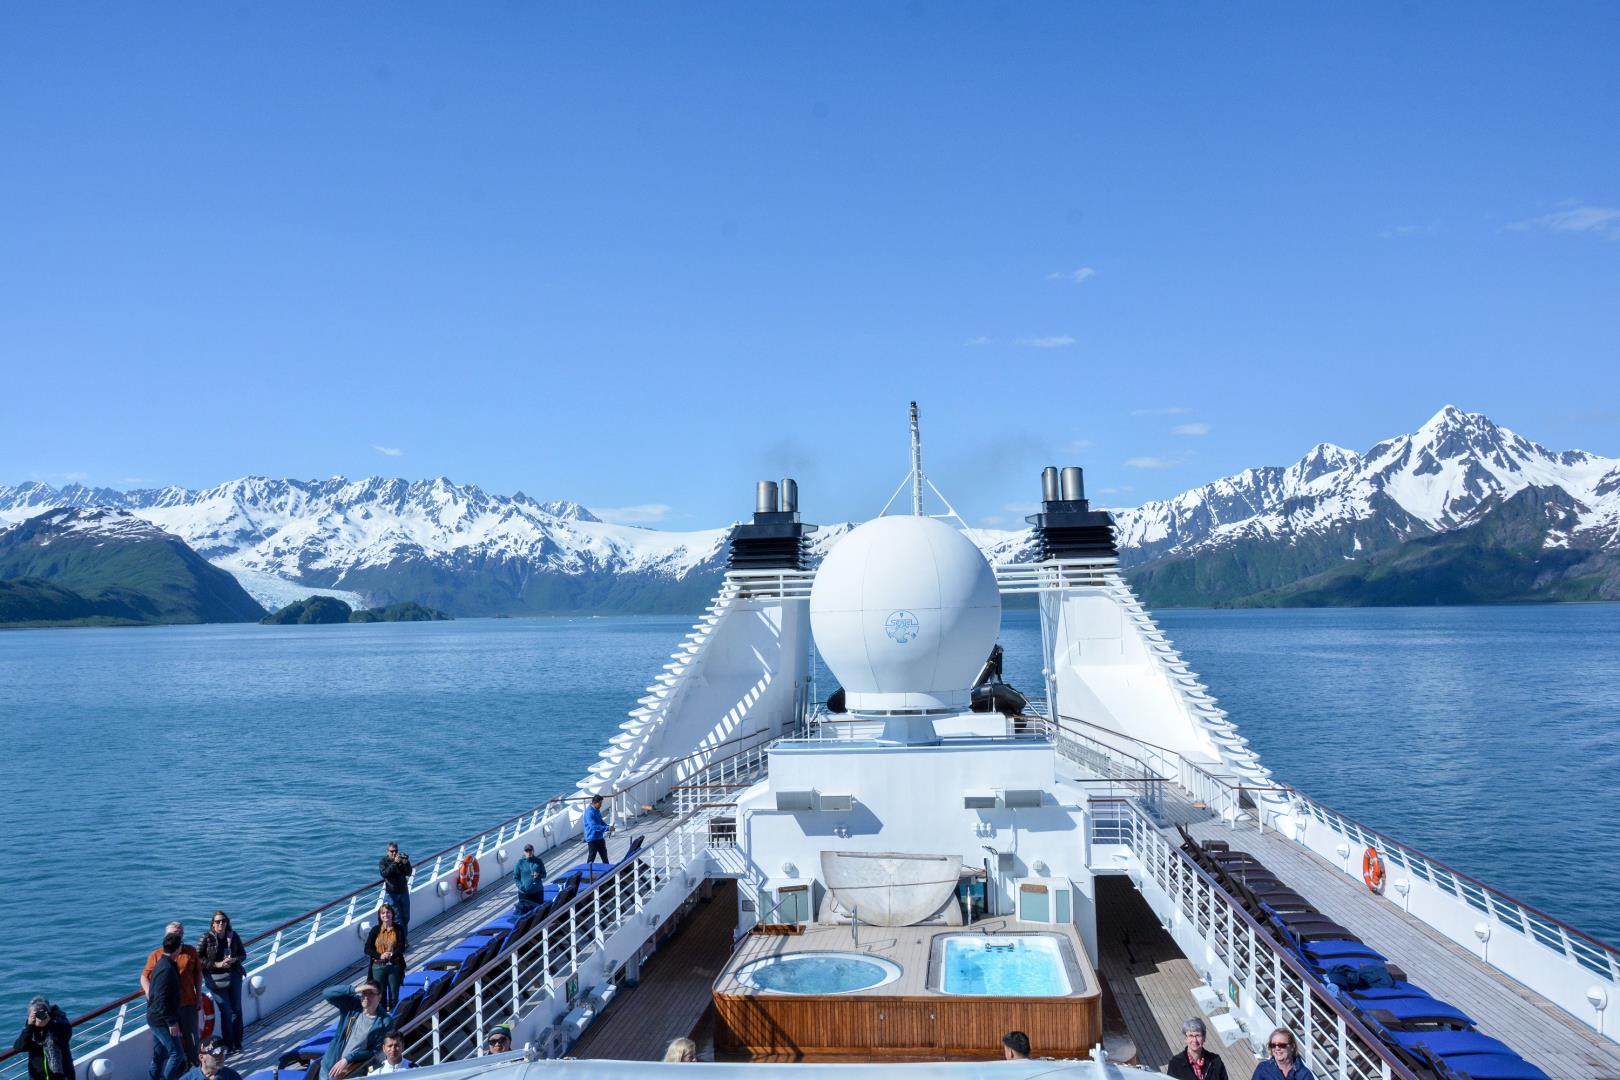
(905,610)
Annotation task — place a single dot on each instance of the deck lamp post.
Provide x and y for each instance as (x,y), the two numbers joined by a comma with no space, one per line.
(1403,886)
(1599,998)
(1482,930)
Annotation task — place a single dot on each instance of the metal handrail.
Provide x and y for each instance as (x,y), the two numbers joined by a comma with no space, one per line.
(1394,1067)
(100,1036)
(1407,855)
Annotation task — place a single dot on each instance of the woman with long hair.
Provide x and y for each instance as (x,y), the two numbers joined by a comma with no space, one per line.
(386,947)
(224,959)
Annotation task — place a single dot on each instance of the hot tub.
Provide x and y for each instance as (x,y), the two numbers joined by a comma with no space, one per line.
(818,973)
(1005,965)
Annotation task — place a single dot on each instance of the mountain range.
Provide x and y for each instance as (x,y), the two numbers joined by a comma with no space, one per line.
(1461,510)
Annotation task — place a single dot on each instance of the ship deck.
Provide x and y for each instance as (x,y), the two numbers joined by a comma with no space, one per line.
(1539,1030)
(267,1040)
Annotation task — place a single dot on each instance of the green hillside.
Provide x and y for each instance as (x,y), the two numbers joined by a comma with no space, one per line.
(116,563)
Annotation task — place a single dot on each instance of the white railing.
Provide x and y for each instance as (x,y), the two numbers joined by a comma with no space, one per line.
(1542,953)
(543,964)
(1019,578)
(771,584)
(1273,990)
(1498,908)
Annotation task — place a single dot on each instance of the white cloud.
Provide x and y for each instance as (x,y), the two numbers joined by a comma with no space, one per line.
(1078,277)
(390,451)
(1122,489)
(977,341)
(1151,462)
(1192,429)
(1602,220)
(640,514)
(1056,341)
(1078,445)
(1174,410)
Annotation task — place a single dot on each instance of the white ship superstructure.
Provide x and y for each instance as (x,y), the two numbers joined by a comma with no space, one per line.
(897,873)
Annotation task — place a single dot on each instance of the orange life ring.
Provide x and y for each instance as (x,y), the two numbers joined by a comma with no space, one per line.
(467,875)
(205,1018)
(1372,869)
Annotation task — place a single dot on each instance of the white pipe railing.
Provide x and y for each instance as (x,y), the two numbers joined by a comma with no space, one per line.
(538,967)
(1273,989)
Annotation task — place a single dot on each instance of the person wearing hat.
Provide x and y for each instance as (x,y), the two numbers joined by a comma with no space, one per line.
(499,1041)
(360,1029)
(211,1063)
(530,877)
(44,1039)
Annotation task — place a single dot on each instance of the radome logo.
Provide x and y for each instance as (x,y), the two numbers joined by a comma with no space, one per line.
(901,626)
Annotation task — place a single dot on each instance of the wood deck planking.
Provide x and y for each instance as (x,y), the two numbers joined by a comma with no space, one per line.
(1536,1028)
(266,1040)
(674,991)
(1151,982)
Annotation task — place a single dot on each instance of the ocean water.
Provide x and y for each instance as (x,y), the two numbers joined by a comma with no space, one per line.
(157,773)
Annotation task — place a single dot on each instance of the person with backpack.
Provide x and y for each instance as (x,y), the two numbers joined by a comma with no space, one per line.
(45,1039)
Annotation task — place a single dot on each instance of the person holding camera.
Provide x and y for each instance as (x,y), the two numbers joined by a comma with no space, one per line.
(395,871)
(44,1039)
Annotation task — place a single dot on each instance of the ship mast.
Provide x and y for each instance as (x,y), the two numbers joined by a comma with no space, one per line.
(916,465)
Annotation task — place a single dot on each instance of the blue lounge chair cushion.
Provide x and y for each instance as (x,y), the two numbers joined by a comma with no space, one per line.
(1494,1067)
(500,925)
(1337,949)
(590,869)
(1416,1009)
(1448,1043)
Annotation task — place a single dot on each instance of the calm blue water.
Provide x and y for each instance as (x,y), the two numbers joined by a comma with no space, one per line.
(151,773)
(1004,967)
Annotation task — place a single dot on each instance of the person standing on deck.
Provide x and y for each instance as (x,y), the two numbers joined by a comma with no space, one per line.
(530,877)
(1196,1063)
(189,965)
(161,980)
(596,832)
(385,947)
(361,1026)
(223,956)
(395,871)
(45,1039)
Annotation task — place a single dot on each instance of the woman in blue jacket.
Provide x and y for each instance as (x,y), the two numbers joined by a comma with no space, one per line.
(1284,1063)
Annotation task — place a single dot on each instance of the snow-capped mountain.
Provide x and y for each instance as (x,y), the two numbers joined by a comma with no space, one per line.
(1438,479)
(351,537)
(469,552)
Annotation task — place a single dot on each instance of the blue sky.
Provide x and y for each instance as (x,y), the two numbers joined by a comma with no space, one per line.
(639,255)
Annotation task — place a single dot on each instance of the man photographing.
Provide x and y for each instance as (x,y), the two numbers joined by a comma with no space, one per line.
(395,871)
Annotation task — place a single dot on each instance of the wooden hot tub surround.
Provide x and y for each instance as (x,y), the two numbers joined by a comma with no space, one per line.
(909,1019)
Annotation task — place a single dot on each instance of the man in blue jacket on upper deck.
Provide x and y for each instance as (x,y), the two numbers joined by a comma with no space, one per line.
(530,877)
(596,832)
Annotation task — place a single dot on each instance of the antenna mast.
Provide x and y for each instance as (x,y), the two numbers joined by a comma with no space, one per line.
(916,465)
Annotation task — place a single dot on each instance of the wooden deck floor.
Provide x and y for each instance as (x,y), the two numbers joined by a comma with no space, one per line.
(675,988)
(1540,1031)
(266,1040)
(1149,979)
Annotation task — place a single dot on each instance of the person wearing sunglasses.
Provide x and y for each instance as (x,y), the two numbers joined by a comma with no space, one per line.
(1196,1063)
(361,1026)
(1284,1063)
(223,958)
(499,1041)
